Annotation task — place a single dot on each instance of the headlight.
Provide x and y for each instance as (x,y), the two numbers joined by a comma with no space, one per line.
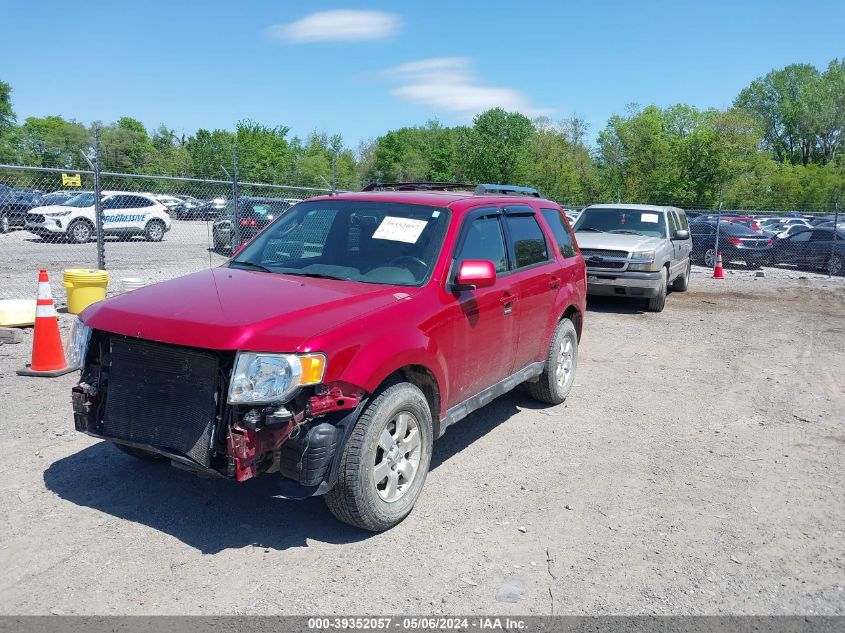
(259,378)
(77,344)
(57,214)
(645,263)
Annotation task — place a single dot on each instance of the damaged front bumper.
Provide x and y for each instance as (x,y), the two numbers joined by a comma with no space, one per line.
(170,401)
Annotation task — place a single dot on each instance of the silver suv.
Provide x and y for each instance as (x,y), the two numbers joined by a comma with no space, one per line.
(635,250)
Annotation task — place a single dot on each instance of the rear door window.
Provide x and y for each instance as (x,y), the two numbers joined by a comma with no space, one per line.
(526,240)
(560,230)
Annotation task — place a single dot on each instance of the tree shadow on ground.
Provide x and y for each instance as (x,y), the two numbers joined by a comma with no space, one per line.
(212,514)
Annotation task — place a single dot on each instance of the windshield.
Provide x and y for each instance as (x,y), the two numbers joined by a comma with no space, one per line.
(373,242)
(622,221)
(81,200)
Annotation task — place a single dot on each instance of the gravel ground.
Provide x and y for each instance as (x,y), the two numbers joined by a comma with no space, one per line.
(697,468)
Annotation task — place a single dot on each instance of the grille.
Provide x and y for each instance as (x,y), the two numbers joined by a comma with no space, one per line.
(34,217)
(161,395)
(594,258)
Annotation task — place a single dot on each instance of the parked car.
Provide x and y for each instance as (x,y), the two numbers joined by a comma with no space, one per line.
(204,210)
(339,343)
(253,214)
(817,248)
(16,203)
(58,197)
(744,220)
(787,231)
(125,214)
(635,250)
(736,243)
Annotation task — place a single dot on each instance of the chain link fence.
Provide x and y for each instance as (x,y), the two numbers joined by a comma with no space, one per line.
(148,228)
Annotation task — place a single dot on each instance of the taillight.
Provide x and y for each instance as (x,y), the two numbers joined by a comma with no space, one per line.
(734,240)
(769,242)
(248,222)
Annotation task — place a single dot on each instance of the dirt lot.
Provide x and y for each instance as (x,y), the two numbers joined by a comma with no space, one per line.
(696,469)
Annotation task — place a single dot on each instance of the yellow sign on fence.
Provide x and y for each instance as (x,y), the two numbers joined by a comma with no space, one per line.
(71,181)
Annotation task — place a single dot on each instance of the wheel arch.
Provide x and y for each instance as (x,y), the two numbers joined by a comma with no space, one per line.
(574,314)
(423,378)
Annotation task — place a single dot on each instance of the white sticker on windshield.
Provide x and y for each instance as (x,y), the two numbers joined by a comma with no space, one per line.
(648,217)
(399,229)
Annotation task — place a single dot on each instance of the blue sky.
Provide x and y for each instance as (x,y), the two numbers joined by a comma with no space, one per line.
(208,64)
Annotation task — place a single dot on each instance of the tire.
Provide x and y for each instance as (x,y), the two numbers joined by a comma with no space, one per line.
(5,226)
(656,304)
(709,257)
(80,232)
(140,453)
(681,284)
(357,498)
(836,265)
(154,231)
(555,383)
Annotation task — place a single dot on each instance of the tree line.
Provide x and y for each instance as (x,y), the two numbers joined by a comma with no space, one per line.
(779,146)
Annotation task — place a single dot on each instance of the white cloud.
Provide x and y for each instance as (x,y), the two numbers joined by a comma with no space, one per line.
(342,25)
(448,83)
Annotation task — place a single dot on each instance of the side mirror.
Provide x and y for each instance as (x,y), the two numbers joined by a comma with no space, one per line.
(681,234)
(475,273)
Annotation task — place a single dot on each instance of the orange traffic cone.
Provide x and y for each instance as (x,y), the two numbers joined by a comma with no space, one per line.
(48,357)
(719,272)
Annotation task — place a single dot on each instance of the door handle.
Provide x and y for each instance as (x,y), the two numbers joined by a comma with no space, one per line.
(507,299)
(554,282)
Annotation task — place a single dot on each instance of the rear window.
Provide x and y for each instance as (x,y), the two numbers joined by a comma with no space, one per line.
(560,230)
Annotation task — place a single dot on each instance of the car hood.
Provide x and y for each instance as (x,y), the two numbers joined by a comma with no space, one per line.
(617,242)
(232,309)
(51,208)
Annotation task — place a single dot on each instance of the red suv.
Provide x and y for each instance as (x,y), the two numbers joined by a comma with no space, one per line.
(340,342)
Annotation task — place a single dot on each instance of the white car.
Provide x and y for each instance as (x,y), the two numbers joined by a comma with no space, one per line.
(125,213)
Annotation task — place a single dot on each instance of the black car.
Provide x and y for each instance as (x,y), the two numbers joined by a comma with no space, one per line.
(14,205)
(253,214)
(817,248)
(736,243)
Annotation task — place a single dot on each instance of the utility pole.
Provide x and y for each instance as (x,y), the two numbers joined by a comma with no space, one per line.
(718,222)
(236,226)
(833,259)
(98,204)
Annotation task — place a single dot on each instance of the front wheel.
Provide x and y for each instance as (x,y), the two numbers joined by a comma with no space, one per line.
(656,304)
(5,226)
(385,461)
(555,383)
(836,265)
(80,232)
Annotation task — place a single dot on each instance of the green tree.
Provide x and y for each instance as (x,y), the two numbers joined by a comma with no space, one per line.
(8,125)
(780,101)
(54,142)
(496,148)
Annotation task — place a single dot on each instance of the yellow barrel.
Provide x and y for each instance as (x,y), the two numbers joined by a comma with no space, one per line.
(84,287)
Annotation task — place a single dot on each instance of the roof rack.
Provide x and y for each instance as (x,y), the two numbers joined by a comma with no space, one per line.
(507,190)
(417,186)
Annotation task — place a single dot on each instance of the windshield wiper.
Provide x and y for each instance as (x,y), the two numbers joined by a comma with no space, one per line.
(590,228)
(317,275)
(626,232)
(252,265)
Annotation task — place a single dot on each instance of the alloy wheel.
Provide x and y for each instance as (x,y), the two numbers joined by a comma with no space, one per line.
(565,360)
(397,457)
